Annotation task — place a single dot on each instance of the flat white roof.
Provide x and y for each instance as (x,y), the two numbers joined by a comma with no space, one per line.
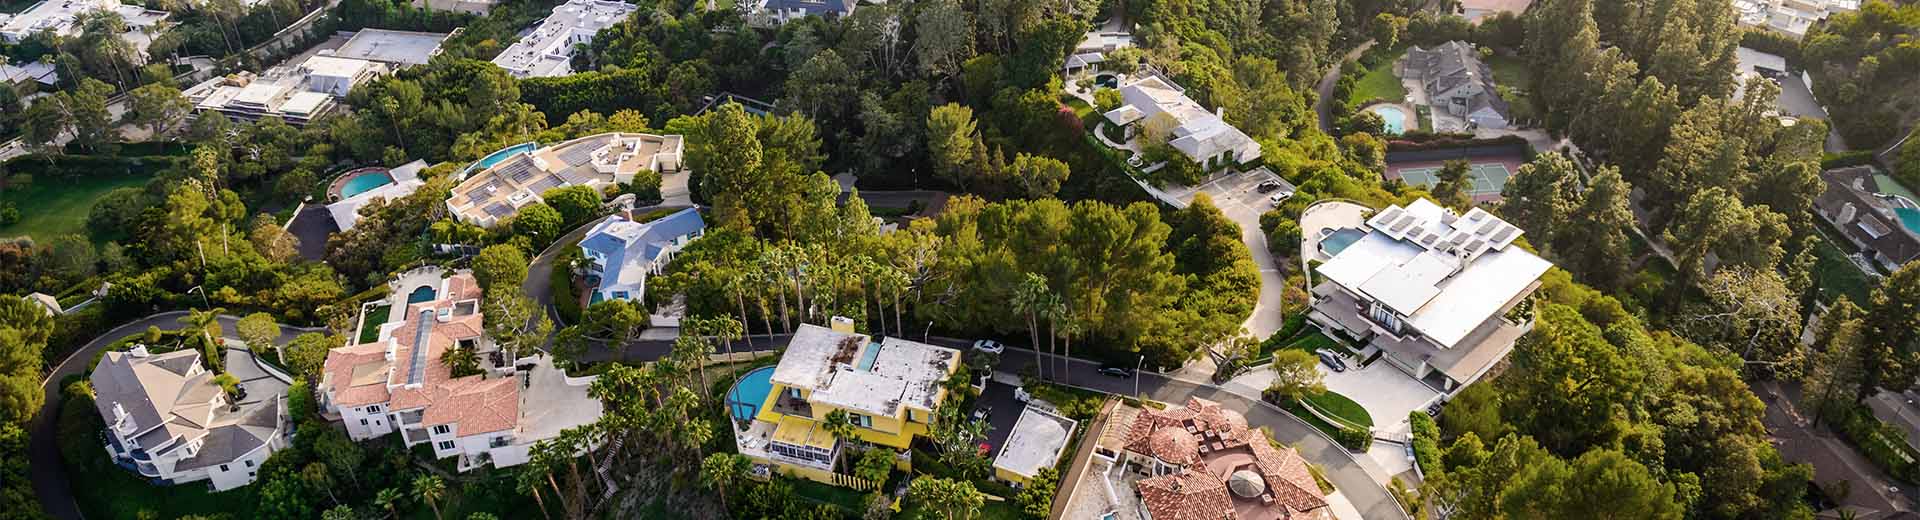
(850,371)
(1038,440)
(547,50)
(396,47)
(1445,274)
(335,67)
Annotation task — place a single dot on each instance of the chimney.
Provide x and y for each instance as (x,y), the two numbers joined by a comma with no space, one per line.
(842,324)
(1220,112)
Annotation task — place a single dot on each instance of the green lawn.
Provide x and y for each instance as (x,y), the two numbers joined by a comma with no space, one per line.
(56,206)
(1835,275)
(1510,72)
(370,328)
(1332,403)
(1379,83)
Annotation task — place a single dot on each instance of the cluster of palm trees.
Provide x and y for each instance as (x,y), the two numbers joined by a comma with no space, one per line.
(1036,300)
(794,283)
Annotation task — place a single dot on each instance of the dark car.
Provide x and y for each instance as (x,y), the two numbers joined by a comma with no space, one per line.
(1120,372)
(1332,362)
(1267,186)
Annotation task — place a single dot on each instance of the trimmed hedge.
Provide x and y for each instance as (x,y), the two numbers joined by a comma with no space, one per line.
(1426,442)
(1880,442)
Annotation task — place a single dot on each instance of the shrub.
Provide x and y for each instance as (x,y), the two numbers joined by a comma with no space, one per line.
(1426,442)
(1355,439)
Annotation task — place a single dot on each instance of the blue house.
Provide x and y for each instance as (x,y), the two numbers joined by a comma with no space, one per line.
(623,252)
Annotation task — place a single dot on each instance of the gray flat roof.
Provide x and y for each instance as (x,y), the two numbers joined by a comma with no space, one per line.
(396,47)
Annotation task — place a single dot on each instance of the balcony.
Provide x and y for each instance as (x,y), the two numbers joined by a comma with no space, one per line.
(411,417)
(789,405)
(414,435)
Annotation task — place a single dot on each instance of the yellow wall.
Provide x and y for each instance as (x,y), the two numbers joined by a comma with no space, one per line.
(1003,474)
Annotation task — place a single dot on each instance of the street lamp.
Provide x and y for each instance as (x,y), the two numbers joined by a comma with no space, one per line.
(1136,375)
(203,295)
(924,335)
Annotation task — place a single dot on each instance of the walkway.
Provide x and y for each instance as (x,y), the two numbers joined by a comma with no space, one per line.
(49,472)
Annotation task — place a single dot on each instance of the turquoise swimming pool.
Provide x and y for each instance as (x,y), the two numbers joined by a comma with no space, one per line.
(364,181)
(421,294)
(1393,116)
(744,400)
(1910,218)
(499,155)
(1338,241)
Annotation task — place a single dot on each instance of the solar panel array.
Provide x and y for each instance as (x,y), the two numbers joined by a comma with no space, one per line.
(1466,235)
(482,192)
(499,209)
(545,183)
(578,154)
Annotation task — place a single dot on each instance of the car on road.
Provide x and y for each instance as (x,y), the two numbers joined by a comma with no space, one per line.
(1267,186)
(1333,363)
(989,346)
(1120,372)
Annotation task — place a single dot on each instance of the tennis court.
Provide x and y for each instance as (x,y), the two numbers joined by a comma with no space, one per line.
(1487,178)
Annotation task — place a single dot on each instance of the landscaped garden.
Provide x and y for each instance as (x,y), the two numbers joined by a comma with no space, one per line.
(1378,83)
(1341,407)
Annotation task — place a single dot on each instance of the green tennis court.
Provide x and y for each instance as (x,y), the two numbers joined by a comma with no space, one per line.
(1487,178)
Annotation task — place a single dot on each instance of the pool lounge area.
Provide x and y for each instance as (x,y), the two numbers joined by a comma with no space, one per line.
(497,156)
(749,394)
(358,181)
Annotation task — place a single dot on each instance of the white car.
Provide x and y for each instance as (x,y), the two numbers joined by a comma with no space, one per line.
(1278,198)
(989,346)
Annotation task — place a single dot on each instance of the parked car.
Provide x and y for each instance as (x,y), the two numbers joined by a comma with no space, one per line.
(1332,363)
(989,346)
(1120,372)
(982,413)
(1278,198)
(1267,186)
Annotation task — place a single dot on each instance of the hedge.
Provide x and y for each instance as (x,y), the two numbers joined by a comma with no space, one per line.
(1880,442)
(1426,442)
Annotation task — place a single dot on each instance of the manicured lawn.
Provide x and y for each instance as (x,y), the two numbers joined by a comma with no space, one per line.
(1836,276)
(1511,72)
(370,329)
(54,206)
(1340,406)
(844,498)
(1379,83)
(1079,106)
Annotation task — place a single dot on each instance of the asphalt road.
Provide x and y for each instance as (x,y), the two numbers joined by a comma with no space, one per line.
(1356,477)
(48,471)
(1324,107)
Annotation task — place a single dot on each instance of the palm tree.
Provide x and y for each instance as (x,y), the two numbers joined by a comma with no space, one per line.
(527,480)
(1030,298)
(389,499)
(430,489)
(1069,326)
(207,322)
(719,472)
(461,361)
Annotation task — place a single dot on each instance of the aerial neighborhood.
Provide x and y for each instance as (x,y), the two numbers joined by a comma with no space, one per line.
(949,259)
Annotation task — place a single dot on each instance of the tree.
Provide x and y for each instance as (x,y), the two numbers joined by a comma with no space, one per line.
(259,331)
(945,37)
(875,463)
(1596,244)
(720,472)
(951,135)
(1033,298)
(70,258)
(1602,483)
(1715,221)
(272,241)
(516,323)
(539,222)
(956,498)
(1107,100)
(839,425)
(1038,176)
(207,322)
(389,499)
(1453,187)
(500,264)
(576,204)
(1836,371)
(307,353)
(1036,499)
(1751,312)
(161,108)
(1541,197)
(1296,375)
(430,489)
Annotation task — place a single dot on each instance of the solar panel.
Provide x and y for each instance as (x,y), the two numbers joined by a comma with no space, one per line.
(577,155)
(545,183)
(499,209)
(482,192)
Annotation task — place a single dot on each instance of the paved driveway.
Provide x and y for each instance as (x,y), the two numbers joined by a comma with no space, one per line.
(1236,197)
(49,473)
(1006,412)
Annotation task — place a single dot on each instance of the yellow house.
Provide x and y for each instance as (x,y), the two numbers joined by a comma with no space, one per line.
(887,389)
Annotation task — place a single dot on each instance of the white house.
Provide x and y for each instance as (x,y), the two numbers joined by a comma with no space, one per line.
(548,50)
(400,382)
(168,421)
(769,13)
(1432,290)
(1201,134)
(508,183)
(624,253)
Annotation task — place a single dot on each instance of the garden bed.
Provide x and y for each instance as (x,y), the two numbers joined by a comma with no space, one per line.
(1341,407)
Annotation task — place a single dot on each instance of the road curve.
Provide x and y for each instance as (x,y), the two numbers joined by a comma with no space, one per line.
(49,472)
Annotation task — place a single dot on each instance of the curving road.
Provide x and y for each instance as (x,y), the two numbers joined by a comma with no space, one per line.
(48,471)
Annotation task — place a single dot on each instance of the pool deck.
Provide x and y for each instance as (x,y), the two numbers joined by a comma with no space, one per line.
(733,398)
(1327,215)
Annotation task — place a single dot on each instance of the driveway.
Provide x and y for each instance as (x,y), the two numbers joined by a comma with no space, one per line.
(1383,390)
(1833,460)
(49,473)
(1357,477)
(1006,413)
(1324,108)
(1237,198)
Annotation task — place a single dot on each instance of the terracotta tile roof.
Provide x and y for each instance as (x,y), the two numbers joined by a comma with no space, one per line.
(1287,475)
(1192,495)
(474,405)
(339,370)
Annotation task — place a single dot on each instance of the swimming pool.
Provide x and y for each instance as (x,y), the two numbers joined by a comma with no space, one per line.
(422,293)
(497,156)
(1333,243)
(744,400)
(1910,218)
(1393,116)
(363,181)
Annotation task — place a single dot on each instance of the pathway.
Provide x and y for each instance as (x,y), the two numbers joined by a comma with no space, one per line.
(1324,108)
(49,473)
